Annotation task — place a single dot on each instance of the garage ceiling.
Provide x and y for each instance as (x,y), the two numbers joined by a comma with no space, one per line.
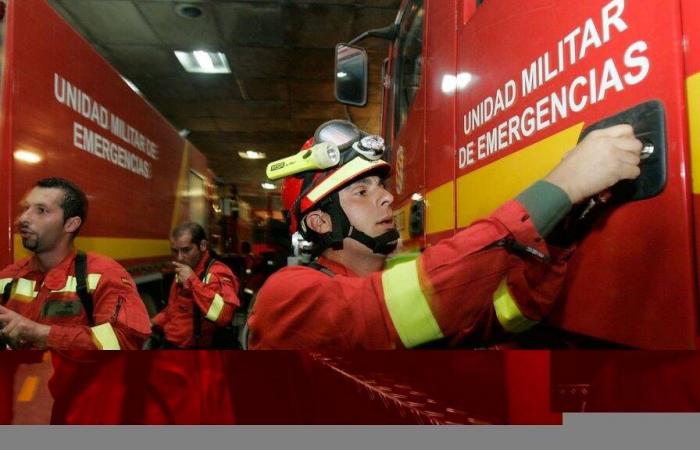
(281,57)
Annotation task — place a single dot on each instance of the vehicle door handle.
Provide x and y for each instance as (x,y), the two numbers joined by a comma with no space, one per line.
(649,123)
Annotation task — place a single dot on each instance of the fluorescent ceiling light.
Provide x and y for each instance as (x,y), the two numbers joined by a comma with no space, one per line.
(268,186)
(200,61)
(252,154)
(342,74)
(27,156)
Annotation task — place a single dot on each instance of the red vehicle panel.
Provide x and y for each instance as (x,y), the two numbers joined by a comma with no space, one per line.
(71,114)
(502,103)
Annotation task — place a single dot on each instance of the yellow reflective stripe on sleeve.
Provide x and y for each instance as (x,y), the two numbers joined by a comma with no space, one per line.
(207,278)
(4,282)
(217,305)
(105,338)
(408,306)
(507,311)
(72,283)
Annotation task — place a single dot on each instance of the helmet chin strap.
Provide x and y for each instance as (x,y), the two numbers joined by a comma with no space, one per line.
(382,244)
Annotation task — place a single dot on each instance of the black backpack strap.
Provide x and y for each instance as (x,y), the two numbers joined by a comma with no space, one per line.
(197,314)
(7,292)
(82,287)
(321,268)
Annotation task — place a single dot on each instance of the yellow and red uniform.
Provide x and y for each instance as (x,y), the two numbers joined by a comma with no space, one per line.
(215,297)
(464,288)
(120,319)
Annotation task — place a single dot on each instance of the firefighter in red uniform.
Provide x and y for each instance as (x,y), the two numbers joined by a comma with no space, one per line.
(497,275)
(190,387)
(43,309)
(203,295)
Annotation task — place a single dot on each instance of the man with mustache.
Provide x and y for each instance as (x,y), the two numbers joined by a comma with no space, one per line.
(42,307)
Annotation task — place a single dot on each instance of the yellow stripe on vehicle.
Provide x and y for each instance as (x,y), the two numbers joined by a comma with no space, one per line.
(105,337)
(217,305)
(482,191)
(401,220)
(508,312)
(693,91)
(408,305)
(115,248)
(440,209)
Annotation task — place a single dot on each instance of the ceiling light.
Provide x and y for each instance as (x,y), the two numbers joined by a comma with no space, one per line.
(252,154)
(268,186)
(201,61)
(27,156)
(188,11)
(341,74)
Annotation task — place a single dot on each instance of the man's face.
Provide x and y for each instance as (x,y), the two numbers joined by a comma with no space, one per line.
(368,206)
(186,252)
(41,222)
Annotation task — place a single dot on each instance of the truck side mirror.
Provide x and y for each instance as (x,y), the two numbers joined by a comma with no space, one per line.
(351,75)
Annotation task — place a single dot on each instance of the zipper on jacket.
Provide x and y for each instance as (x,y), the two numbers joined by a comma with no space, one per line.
(120,301)
(512,246)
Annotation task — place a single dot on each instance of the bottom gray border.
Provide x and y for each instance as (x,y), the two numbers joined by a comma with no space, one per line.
(580,431)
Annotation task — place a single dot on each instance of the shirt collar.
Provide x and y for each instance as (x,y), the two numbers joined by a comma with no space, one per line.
(55,278)
(335,267)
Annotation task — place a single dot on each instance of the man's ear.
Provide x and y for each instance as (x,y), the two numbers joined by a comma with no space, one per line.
(72,224)
(318,221)
(203,245)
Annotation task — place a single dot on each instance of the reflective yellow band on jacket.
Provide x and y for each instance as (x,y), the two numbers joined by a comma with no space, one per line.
(105,338)
(207,278)
(4,282)
(408,306)
(23,290)
(217,305)
(72,283)
(507,311)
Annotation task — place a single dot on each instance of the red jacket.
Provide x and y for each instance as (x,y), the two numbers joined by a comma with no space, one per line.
(79,382)
(216,299)
(466,287)
(120,317)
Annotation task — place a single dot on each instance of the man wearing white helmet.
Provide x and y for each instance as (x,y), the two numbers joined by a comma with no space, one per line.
(498,275)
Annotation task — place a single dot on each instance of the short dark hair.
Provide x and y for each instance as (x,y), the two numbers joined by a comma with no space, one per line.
(194,229)
(75,202)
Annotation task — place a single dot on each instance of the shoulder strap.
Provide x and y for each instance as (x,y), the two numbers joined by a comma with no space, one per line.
(7,292)
(82,287)
(321,268)
(197,314)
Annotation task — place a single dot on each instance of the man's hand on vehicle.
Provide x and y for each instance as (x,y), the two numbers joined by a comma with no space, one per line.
(599,161)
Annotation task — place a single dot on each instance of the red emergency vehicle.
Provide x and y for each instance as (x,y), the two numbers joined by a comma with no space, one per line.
(482,98)
(66,112)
